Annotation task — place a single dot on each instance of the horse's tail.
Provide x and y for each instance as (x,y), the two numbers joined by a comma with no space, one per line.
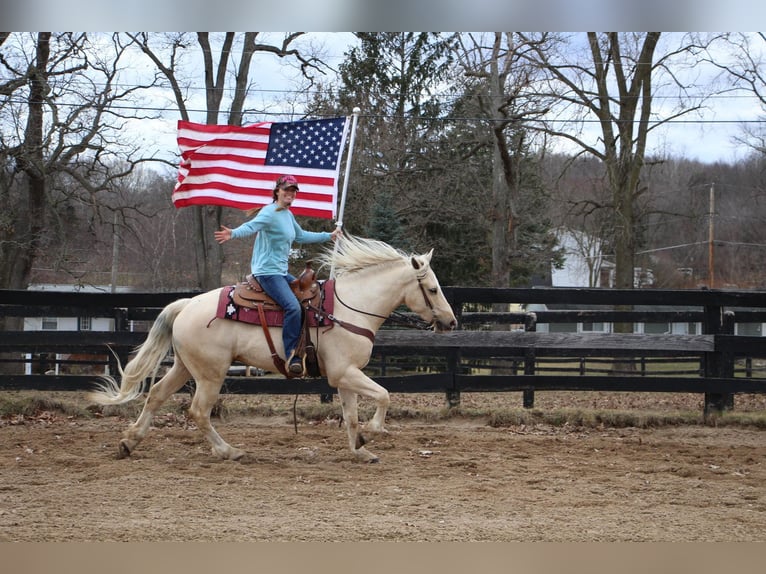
(146,362)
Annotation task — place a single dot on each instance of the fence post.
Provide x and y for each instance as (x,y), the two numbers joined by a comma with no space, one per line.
(45,363)
(453,358)
(530,324)
(453,366)
(717,363)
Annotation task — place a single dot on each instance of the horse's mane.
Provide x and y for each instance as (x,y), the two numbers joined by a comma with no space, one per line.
(350,254)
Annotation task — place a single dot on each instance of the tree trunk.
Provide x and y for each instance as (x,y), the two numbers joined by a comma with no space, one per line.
(25,235)
(208,254)
(17,255)
(501,224)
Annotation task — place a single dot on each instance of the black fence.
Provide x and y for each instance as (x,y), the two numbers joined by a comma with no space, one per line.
(502,344)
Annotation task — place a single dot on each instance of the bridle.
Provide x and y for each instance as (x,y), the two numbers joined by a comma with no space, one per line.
(397,317)
(423,291)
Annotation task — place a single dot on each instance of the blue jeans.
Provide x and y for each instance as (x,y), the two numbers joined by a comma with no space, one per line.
(278,288)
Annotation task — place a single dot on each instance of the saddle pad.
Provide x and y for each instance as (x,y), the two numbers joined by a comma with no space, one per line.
(227,309)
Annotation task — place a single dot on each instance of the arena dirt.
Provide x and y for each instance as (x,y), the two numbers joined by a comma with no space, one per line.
(446,480)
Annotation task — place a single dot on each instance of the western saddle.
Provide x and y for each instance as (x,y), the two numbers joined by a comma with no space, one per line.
(306,288)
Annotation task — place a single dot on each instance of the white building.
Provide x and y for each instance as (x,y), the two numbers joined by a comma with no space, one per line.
(585,266)
(83,323)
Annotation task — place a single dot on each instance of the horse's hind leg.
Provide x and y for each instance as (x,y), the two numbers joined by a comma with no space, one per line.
(204,400)
(173,380)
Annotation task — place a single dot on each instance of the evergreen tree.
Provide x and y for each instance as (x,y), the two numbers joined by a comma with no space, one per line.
(391,77)
(384,224)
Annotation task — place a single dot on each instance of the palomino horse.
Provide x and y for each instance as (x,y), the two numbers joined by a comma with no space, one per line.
(372,279)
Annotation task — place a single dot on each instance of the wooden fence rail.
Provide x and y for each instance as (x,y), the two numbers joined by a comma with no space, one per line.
(463,361)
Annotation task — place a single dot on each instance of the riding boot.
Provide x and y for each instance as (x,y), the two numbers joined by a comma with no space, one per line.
(295,365)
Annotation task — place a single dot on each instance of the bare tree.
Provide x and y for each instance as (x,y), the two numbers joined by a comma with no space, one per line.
(227,83)
(62,109)
(616,84)
(503,79)
(744,69)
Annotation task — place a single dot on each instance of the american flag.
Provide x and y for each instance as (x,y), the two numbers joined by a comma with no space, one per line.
(238,166)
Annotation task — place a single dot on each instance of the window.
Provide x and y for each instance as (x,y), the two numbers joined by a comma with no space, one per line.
(693,329)
(657,328)
(689,328)
(594,328)
(50,324)
(84,323)
(563,327)
(749,329)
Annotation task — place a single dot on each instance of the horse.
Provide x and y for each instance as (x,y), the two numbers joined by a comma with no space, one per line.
(372,279)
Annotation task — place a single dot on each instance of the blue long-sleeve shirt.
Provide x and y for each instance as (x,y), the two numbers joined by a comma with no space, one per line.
(277,229)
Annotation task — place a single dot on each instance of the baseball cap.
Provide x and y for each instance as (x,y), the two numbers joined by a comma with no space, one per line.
(286,181)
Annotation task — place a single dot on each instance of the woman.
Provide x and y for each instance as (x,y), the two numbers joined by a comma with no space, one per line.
(275,230)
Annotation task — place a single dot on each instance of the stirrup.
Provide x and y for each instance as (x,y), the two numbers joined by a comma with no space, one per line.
(295,365)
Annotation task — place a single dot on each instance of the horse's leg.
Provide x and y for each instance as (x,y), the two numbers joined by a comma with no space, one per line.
(204,400)
(356,383)
(366,387)
(173,380)
(348,402)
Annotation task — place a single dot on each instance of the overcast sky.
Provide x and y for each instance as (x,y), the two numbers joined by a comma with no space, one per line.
(379,16)
(708,135)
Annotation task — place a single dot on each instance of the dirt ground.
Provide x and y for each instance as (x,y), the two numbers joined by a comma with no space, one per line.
(454,479)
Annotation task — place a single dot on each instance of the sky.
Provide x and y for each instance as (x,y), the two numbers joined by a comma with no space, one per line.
(272,78)
(378,16)
(709,141)
(707,136)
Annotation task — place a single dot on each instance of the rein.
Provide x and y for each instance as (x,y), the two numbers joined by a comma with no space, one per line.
(396,316)
(320,313)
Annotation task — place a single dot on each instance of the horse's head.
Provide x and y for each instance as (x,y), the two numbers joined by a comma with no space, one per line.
(425,297)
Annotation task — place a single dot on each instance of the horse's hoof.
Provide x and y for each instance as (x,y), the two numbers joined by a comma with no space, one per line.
(374,460)
(123,451)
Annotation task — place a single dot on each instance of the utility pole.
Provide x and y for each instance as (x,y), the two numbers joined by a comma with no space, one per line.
(115,252)
(711,250)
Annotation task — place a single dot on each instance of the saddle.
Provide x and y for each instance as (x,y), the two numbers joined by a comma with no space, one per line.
(251,295)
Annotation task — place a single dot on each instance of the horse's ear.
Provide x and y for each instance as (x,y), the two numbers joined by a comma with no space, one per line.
(417,264)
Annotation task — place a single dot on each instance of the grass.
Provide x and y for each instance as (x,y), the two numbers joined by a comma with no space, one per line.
(590,418)
(556,417)
(32,405)
(498,411)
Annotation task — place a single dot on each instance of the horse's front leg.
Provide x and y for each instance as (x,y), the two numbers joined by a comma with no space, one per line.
(205,397)
(356,442)
(350,386)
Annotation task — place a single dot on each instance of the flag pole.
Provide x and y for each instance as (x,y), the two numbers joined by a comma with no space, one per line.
(339,221)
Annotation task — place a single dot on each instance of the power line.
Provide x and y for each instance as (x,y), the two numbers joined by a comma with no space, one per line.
(74,82)
(739,243)
(717,242)
(671,247)
(527,121)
